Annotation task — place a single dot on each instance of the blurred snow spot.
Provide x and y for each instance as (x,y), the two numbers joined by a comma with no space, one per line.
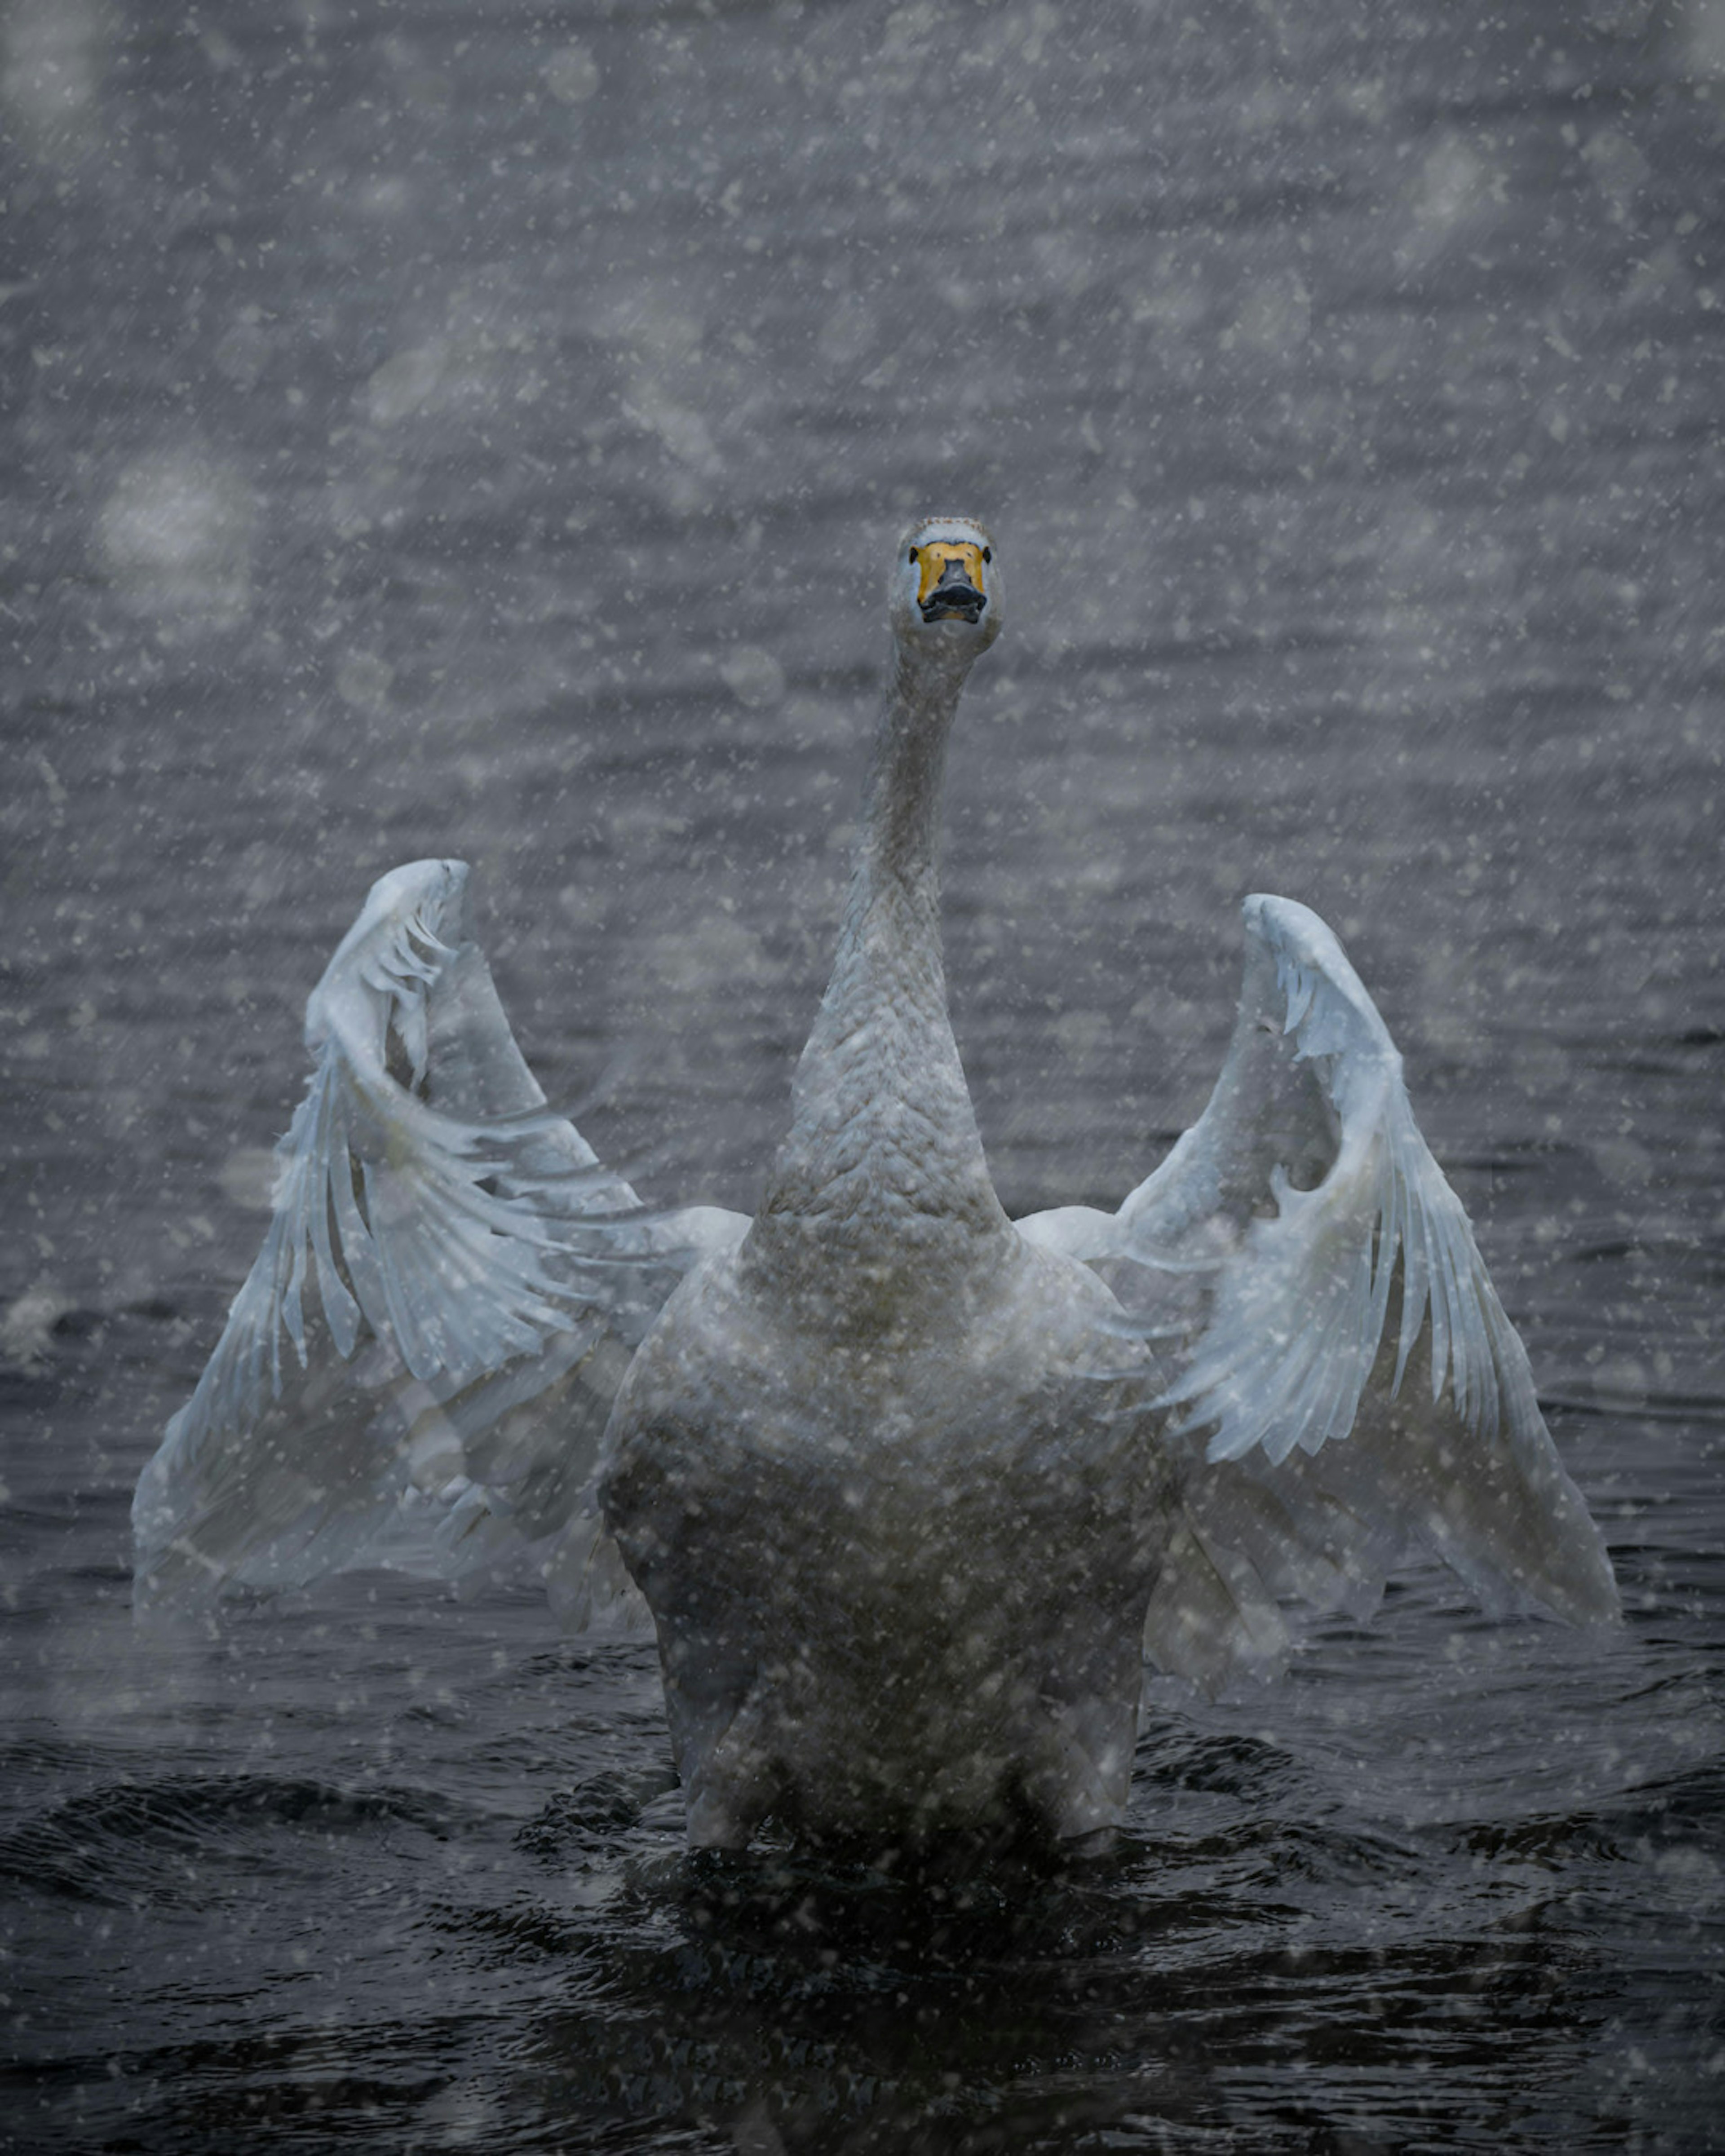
(56,792)
(434,1457)
(1454,187)
(685,492)
(243,353)
(1060,267)
(753,677)
(1035,28)
(1625,1380)
(51,53)
(1703,40)
(683,432)
(1080,1033)
(752,2133)
(1662,267)
(402,385)
(653,319)
(248,1177)
(1618,167)
(572,75)
(848,333)
(907,27)
(585,906)
(385,195)
(350,509)
(1623,1162)
(1368,100)
(1452,182)
(809,722)
(1407,568)
(1276,313)
(219,48)
(461,2119)
(1173,304)
(482,358)
(362,679)
(717,949)
(26,1326)
(174,535)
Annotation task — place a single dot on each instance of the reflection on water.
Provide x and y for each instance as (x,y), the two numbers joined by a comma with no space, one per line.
(461,432)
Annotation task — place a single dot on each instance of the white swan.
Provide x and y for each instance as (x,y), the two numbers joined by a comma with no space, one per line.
(911,1490)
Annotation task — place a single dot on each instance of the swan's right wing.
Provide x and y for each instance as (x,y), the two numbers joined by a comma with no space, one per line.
(419,1367)
(1340,1359)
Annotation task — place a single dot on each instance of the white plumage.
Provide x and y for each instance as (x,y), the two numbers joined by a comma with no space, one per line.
(910,1490)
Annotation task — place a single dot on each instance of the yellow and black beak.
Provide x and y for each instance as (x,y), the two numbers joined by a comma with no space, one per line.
(952,584)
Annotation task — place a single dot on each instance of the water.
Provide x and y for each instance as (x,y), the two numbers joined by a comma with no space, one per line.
(469,431)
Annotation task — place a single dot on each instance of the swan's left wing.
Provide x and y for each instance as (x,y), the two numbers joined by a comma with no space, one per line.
(419,1365)
(1339,1349)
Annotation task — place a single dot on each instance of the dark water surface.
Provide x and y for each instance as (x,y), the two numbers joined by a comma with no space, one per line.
(451,429)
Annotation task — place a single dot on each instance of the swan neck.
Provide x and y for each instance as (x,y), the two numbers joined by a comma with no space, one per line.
(883,1169)
(900,841)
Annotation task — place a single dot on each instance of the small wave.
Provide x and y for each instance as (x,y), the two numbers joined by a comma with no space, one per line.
(133,1843)
(1673,1814)
(592,1812)
(1230,1764)
(1686,1807)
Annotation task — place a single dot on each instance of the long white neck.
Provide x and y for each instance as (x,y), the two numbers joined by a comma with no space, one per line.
(883,1172)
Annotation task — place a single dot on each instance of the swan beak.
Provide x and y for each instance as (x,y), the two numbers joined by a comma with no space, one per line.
(953,585)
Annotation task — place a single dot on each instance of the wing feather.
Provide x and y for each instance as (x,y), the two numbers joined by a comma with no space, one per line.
(417,1369)
(1356,1428)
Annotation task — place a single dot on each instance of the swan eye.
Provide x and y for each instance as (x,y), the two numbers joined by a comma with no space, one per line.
(988,553)
(913,554)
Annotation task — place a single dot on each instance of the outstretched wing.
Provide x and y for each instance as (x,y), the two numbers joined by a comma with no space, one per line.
(419,1366)
(1339,1349)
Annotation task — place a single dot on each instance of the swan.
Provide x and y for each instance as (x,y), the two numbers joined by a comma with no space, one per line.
(911,1491)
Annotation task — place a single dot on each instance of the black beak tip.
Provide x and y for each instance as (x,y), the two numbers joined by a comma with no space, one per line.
(960,602)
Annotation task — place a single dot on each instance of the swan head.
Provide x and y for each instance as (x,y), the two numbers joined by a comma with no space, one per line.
(946,595)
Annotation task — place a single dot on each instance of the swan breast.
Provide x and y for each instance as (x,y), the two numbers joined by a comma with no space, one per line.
(880,1560)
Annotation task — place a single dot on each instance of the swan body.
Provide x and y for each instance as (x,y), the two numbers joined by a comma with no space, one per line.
(910,1491)
(899,1568)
